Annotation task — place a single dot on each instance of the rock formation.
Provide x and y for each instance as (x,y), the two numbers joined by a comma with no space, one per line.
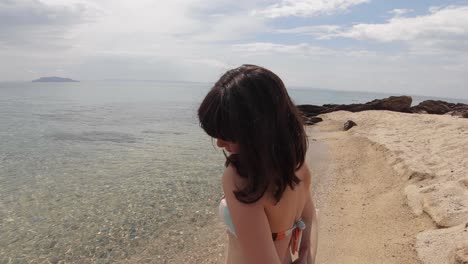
(392,103)
(440,108)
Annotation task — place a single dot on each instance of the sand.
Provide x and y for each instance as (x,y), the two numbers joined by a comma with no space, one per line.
(395,182)
(393,189)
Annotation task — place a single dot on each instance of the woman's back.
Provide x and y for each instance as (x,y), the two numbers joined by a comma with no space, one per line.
(281,216)
(288,210)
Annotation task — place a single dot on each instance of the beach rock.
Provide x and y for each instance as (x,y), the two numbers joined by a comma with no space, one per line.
(439,107)
(432,107)
(414,199)
(442,245)
(446,203)
(348,125)
(462,114)
(392,103)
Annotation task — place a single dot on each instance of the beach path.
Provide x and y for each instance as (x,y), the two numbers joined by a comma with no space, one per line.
(362,211)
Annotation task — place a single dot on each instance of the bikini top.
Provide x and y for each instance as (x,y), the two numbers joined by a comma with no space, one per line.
(295,230)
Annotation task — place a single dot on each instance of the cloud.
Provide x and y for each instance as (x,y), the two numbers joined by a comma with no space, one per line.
(224,28)
(306,8)
(320,32)
(147,35)
(302,49)
(400,12)
(442,29)
(35,23)
(35,13)
(358,69)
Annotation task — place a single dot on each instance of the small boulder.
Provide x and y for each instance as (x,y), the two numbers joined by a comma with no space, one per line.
(348,125)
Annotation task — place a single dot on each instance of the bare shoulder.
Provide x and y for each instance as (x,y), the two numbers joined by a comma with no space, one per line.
(233,182)
(231,179)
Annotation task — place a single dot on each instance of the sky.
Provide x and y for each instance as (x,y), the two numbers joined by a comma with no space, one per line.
(398,46)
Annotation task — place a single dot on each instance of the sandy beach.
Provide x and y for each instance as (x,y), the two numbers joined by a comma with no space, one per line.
(395,189)
(392,189)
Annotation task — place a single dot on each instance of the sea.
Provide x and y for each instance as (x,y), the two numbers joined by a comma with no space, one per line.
(95,171)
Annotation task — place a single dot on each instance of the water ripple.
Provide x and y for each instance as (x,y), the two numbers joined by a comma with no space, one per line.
(96,136)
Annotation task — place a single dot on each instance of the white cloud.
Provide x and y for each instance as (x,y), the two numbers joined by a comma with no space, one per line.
(213,63)
(146,35)
(354,69)
(305,8)
(321,31)
(302,49)
(442,29)
(400,11)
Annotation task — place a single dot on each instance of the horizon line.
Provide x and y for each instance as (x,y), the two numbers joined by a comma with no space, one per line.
(292,87)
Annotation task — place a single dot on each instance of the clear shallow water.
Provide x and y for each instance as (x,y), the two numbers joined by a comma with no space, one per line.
(94,171)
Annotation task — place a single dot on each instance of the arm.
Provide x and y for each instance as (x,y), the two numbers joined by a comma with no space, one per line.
(308,247)
(251,224)
(310,236)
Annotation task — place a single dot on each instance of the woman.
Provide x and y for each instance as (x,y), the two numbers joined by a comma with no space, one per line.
(267,205)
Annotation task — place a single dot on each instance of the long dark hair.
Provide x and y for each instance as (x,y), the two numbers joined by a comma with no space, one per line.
(250,106)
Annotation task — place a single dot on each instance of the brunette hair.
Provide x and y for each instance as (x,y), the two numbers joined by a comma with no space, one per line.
(250,106)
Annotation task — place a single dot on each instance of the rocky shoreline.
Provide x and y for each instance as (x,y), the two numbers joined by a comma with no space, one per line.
(393,103)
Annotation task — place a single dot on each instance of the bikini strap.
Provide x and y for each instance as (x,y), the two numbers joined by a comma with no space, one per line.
(299,225)
(297,236)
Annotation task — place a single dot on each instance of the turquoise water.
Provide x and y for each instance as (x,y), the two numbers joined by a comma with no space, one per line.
(94,171)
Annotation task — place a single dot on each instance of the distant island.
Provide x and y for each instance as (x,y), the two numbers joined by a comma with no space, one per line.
(54,79)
